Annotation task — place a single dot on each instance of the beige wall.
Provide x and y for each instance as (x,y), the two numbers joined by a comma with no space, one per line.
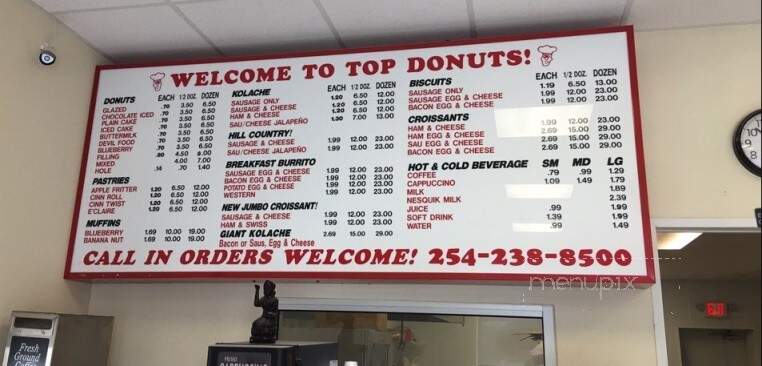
(42,117)
(681,298)
(695,87)
(688,78)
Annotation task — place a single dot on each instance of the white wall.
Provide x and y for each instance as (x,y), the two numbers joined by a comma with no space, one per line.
(681,298)
(43,111)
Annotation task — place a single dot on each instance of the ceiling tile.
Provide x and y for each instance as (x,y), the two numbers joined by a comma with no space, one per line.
(158,32)
(663,14)
(497,17)
(254,26)
(70,5)
(362,23)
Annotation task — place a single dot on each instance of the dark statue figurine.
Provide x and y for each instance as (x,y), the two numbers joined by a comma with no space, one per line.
(265,329)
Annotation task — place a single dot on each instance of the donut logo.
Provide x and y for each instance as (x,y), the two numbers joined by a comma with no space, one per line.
(157,78)
(547,52)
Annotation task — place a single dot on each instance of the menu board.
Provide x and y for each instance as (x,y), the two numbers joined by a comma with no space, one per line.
(500,159)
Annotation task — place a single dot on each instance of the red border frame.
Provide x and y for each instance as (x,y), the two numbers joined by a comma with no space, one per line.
(649,278)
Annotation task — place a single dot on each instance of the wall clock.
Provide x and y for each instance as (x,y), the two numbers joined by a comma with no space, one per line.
(747,142)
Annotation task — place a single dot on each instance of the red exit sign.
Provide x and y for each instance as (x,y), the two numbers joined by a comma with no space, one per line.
(717,310)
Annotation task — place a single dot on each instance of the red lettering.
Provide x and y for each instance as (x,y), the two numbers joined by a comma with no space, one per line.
(345,257)
(231,76)
(247,76)
(181,79)
(400,256)
(514,57)
(216,80)
(284,73)
(187,257)
(353,65)
(496,56)
(266,257)
(381,256)
(329,259)
(476,60)
(201,78)
(309,70)
(89,258)
(202,257)
(435,63)
(250,257)
(295,256)
(314,257)
(265,74)
(387,64)
(415,64)
(102,260)
(219,257)
(235,256)
(454,61)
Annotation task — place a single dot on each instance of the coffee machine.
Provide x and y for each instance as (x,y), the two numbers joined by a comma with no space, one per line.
(49,339)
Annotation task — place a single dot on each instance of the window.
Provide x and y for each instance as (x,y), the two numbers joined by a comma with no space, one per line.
(424,334)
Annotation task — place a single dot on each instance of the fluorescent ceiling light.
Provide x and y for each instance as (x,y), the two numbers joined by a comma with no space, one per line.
(675,241)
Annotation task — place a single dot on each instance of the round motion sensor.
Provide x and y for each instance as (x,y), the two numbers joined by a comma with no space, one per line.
(47,58)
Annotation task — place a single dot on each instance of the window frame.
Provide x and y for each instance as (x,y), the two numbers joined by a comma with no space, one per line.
(544,312)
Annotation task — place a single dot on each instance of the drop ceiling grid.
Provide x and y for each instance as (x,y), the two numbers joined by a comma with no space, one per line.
(191,28)
(138,31)
(398,21)
(254,26)
(340,18)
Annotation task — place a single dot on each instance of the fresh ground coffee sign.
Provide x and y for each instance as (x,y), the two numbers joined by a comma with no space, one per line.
(27,351)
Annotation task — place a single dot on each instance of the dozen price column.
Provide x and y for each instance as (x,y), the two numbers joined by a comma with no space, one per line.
(610,130)
(382,218)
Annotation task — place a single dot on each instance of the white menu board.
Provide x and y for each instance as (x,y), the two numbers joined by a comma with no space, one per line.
(503,159)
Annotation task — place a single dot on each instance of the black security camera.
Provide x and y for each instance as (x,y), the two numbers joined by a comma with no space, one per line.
(47,57)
